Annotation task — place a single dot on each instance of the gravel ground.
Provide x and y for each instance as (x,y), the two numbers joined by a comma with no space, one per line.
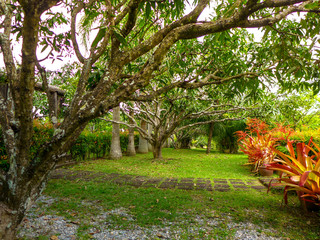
(39,223)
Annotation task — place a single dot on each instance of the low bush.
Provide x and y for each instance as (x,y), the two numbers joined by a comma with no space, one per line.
(258,141)
(88,144)
(299,170)
(42,133)
(3,154)
(97,144)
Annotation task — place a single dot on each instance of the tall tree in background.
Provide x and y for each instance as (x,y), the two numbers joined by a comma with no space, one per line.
(115,149)
(143,146)
(127,30)
(131,151)
(172,115)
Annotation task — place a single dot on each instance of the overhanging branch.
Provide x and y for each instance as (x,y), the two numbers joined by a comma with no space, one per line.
(51,88)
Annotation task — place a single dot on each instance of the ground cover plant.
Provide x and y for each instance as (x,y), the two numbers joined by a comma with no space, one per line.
(176,163)
(196,214)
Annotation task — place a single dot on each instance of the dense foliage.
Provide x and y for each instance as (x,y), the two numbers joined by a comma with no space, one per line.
(88,145)
(259,140)
(299,170)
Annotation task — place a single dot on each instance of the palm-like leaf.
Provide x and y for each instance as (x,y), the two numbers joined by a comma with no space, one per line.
(299,171)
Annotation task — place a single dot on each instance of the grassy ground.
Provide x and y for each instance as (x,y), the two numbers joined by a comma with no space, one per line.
(176,163)
(81,201)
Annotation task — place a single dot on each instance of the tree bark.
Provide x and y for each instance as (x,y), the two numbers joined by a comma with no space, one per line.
(150,129)
(211,125)
(185,143)
(51,88)
(8,224)
(115,149)
(131,151)
(157,150)
(143,143)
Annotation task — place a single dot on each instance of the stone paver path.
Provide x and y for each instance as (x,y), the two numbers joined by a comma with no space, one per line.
(207,184)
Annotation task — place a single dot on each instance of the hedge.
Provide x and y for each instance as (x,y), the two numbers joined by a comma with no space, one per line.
(97,145)
(297,136)
(88,144)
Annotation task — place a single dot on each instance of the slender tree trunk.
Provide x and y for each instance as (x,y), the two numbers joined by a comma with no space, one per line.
(143,143)
(210,137)
(185,143)
(115,150)
(131,151)
(150,129)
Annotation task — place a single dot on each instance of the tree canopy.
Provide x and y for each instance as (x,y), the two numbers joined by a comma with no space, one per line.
(129,41)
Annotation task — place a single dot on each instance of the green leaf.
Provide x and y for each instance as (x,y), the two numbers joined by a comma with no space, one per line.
(120,38)
(148,10)
(313,5)
(99,36)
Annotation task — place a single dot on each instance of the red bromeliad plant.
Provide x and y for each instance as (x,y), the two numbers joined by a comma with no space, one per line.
(299,171)
(258,141)
(258,148)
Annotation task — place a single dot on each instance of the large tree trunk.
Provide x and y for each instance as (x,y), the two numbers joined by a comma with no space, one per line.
(8,223)
(210,137)
(115,149)
(157,150)
(131,151)
(143,143)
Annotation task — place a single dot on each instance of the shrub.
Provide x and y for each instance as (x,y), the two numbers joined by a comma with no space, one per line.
(225,135)
(258,141)
(3,154)
(300,170)
(97,144)
(42,134)
(87,145)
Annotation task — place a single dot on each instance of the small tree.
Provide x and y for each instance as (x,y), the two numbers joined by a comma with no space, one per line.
(169,116)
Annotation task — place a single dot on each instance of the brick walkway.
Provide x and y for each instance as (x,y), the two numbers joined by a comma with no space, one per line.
(216,184)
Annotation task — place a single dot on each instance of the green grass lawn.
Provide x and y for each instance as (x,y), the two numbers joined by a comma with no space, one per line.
(82,201)
(177,163)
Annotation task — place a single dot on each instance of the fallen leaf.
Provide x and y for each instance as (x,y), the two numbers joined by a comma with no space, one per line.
(54,237)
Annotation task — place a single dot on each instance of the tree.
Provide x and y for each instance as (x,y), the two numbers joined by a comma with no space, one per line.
(143,142)
(127,30)
(167,116)
(131,151)
(115,149)
(297,109)
(211,126)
